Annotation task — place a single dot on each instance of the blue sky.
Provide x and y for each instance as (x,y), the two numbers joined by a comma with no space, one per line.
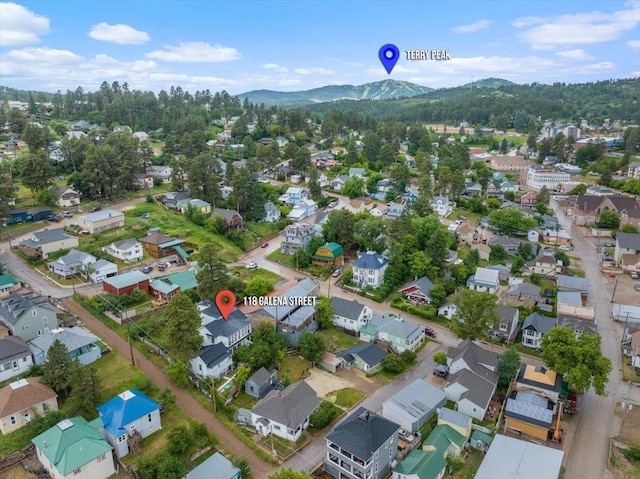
(296,45)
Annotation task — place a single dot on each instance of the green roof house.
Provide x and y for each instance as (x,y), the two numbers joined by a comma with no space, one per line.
(329,254)
(8,283)
(445,440)
(421,464)
(75,448)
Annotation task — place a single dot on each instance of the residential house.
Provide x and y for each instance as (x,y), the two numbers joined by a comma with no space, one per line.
(414,405)
(556,237)
(364,445)
(447,310)
(359,205)
(484,280)
(337,183)
(129,413)
(15,357)
(294,195)
(509,243)
(626,244)
(379,210)
(533,236)
(176,200)
(321,219)
(72,263)
(573,284)
(587,209)
(214,467)
(529,200)
(543,265)
(305,208)
(22,400)
(472,189)
(159,245)
(511,458)
(633,170)
(143,181)
(101,269)
(473,378)
(126,283)
(365,356)
(628,262)
(212,361)
(232,331)
(271,213)
(531,413)
(261,382)
(399,333)
(141,135)
(521,294)
(129,250)
(66,197)
(28,315)
(330,255)
(494,190)
(444,440)
(163,173)
(101,221)
(9,284)
(418,291)
(24,215)
(202,206)
(285,413)
(296,236)
(395,210)
(357,173)
(232,218)
(411,195)
(578,325)
(165,287)
(81,344)
(420,464)
(507,328)
(504,272)
(42,243)
(542,380)
(534,327)
(369,268)
(456,420)
(75,448)
(350,315)
(467,234)
(507,187)
(442,206)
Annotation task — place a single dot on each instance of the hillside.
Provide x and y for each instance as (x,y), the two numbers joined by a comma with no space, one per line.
(382,90)
(488,83)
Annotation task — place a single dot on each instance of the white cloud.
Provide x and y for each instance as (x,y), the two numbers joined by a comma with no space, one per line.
(576,54)
(579,28)
(314,71)
(302,71)
(472,27)
(634,44)
(275,67)
(195,52)
(47,56)
(121,34)
(20,26)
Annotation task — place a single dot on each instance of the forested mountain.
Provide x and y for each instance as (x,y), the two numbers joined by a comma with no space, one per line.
(382,90)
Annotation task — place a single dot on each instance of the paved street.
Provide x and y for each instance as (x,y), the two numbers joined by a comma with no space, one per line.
(596,421)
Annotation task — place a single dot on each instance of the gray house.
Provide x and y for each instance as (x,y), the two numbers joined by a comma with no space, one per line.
(80,344)
(364,445)
(508,326)
(365,356)
(534,327)
(28,315)
(261,382)
(414,405)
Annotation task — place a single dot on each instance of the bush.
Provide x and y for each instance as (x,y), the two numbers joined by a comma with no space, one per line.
(323,415)
(167,398)
(408,356)
(178,374)
(180,441)
(393,363)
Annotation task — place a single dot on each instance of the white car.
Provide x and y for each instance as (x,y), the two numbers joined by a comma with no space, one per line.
(333,204)
(252,265)
(563,248)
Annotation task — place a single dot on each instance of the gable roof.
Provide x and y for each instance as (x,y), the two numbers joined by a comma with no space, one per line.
(485,275)
(156,237)
(572,282)
(125,408)
(72,443)
(370,353)
(236,321)
(538,322)
(472,354)
(345,308)
(102,215)
(362,433)
(40,238)
(215,467)
(214,354)
(581,325)
(227,214)
(370,260)
(126,279)
(13,307)
(529,289)
(540,377)
(397,326)
(442,437)
(423,464)
(424,284)
(262,375)
(13,347)
(454,417)
(629,241)
(416,399)
(506,313)
(290,407)
(23,394)
(72,338)
(479,390)
(125,244)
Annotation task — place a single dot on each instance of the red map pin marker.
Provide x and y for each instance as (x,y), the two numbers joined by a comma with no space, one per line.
(225,301)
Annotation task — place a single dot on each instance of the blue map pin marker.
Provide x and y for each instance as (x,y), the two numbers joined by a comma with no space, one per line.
(389,55)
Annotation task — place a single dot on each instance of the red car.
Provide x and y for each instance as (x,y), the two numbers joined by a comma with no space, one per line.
(264,245)
(430,332)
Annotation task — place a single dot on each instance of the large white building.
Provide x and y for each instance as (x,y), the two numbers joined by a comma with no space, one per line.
(536,179)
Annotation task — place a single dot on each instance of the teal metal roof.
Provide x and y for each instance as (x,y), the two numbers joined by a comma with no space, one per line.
(183,254)
(6,279)
(185,279)
(424,464)
(163,286)
(173,242)
(126,279)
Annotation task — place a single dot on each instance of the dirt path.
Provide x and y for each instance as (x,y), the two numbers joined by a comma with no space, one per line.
(184,400)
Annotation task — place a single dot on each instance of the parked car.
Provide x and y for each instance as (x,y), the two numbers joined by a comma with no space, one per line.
(333,204)
(66,214)
(147,269)
(337,273)
(252,265)
(637,287)
(634,275)
(430,332)
(563,248)
(54,218)
(94,209)
(264,245)
(162,266)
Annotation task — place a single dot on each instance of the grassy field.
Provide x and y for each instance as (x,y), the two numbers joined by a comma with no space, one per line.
(249,274)
(337,339)
(349,397)
(294,367)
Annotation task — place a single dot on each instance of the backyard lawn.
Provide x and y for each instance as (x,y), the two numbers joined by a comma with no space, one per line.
(293,367)
(337,339)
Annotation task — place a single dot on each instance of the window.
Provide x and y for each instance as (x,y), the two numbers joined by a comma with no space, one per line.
(12,420)
(14,364)
(27,417)
(77,471)
(34,312)
(122,438)
(101,458)
(39,332)
(45,407)
(376,454)
(149,417)
(390,453)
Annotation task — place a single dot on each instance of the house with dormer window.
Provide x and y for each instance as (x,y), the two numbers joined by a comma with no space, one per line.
(369,268)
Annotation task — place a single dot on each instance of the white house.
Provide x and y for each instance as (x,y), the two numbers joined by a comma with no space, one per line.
(448,310)
(130,412)
(485,280)
(442,206)
(369,268)
(350,315)
(15,357)
(293,195)
(535,326)
(305,208)
(102,269)
(128,250)
(72,263)
(163,173)
(271,213)
(212,361)
(102,221)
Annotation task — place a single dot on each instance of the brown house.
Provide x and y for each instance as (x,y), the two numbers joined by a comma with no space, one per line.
(329,254)
(232,217)
(528,201)
(126,283)
(159,245)
(587,209)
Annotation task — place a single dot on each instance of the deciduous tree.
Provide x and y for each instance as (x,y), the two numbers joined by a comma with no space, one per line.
(476,313)
(312,346)
(508,365)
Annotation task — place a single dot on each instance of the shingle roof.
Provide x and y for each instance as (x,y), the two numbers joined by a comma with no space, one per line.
(582,325)
(125,408)
(530,407)
(345,308)
(39,238)
(362,433)
(214,354)
(15,305)
(529,289)
(472,354)
(423,283)
(542,324)
(629,241)
(396,326)
(155,237)
(370,353)
(125,244)
(573,298)
(72,443)
(215,467)
(370,260)
(72,338)
(74,257)
(262,375)
(479,390)
(234,323)
(227,214)
(23,394)
(290,407)
(13,347)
